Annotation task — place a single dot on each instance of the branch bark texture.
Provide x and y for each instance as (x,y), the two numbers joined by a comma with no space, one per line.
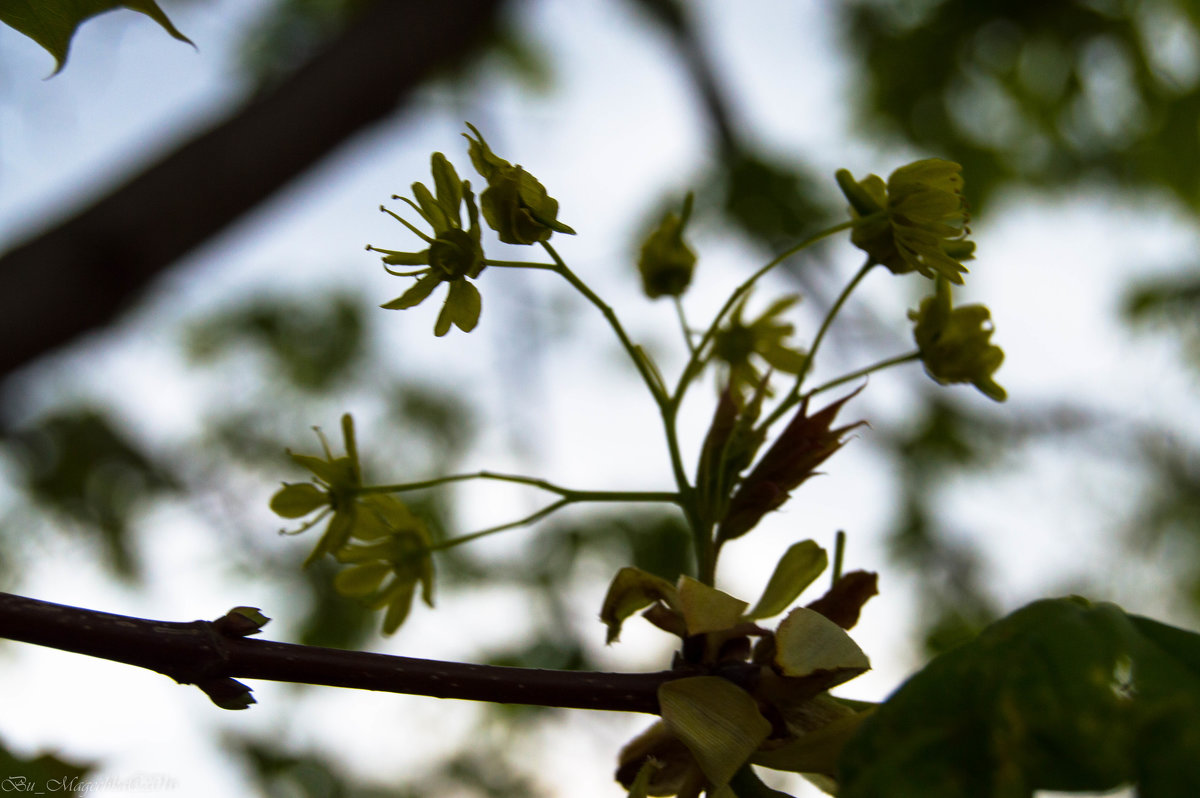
(197,652)
(80,273)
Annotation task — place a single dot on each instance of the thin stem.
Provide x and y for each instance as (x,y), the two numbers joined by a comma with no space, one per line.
(854,375)
(521,264)
(695,363)
(666,407)
(652,380)
(683,324)
(793,396)
(566,493)
(529,519)
(839,551)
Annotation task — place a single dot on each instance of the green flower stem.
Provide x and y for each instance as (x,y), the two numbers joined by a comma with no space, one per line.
(651,379)
(667,408)
(793,398)
(567,494)
(705,546)
(696,363)
(529,519)
(568,497)
(521,264)
(854,375)
(683,324)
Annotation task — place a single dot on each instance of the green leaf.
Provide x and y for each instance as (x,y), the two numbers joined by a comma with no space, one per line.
(807,642)
(796,570)
(1061,695)
(706,609)
(52,23)
(632,589)
(718,722)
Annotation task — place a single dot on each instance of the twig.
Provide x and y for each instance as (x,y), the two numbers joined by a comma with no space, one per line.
(199,653)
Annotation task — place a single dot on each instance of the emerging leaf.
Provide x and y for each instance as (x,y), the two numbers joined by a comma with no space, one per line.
(844,601)
(806,443)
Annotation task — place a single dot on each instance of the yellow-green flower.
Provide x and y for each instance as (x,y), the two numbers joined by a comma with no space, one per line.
(955,343)
(387,549)
(454,255)
(384,570)
(739,343)
(666,261)
(337,482)
(514,204)
(917,222)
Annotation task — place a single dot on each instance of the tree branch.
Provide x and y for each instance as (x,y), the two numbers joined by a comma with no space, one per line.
(82,272)
(198,652)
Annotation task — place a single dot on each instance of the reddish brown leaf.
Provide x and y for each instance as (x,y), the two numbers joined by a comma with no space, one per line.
(846,598)
(804,444)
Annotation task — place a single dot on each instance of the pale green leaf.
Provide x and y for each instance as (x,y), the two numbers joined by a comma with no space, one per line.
(706,609)
(718,721)
(632,589)
(807,642)
(796,570)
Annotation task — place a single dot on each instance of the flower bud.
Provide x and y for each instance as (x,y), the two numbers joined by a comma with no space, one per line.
(666,261)
(514,204)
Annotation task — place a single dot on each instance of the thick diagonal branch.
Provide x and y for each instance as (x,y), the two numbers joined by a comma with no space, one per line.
(80,273)
(197,652)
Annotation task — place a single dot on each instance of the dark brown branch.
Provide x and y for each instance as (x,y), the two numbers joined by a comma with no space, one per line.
(82,272)
(198,653)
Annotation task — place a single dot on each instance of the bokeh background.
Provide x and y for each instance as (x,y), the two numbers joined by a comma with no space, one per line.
(144,425)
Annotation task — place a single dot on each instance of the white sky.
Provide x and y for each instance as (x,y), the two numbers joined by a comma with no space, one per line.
(621,126)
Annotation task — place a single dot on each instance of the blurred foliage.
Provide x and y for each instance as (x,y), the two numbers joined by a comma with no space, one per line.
(313,342)
(1171,303)
(289,32)
(483,772)
(278,774)
(953,592)
(77,464)
(1167,519)
(44,774)
(1040,93)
